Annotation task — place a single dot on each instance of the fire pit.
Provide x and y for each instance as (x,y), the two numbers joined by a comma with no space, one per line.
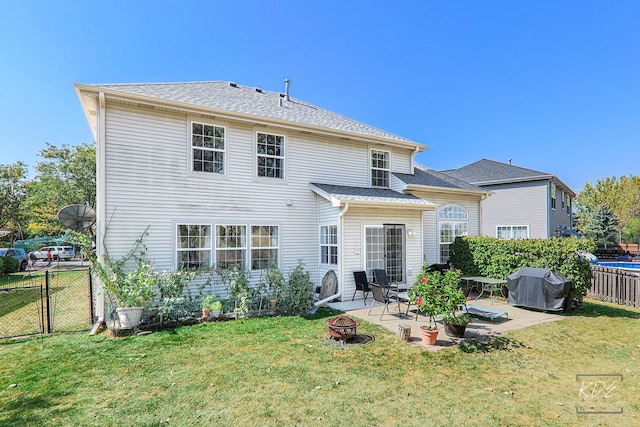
(342,327)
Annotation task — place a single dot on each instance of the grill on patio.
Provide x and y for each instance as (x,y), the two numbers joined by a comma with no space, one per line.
(342,327)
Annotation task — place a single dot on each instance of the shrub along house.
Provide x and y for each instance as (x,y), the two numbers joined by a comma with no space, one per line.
(225,174)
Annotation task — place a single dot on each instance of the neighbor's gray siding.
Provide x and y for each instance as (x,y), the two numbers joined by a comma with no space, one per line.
(516,204)
(558,217)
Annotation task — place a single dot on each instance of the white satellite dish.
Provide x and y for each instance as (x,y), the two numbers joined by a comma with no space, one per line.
(77,217)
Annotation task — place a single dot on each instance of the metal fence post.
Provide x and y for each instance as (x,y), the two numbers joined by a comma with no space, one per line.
(91,309)
(47,300)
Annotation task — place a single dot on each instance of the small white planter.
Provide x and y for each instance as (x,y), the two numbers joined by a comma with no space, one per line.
(129,316)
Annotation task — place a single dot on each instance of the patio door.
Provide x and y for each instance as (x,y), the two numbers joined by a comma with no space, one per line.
(394,252)
(385,248)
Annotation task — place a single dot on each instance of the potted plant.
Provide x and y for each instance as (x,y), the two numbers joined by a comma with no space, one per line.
(131,291)
(438,294)
(216,308)
(207,304)
(425,293)
(455,320)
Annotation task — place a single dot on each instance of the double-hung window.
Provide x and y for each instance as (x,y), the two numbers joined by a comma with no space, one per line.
(270,152)
(207,148)
(553,196)
(264,246)
(193,246)
(380,168)
(231,245)
(329,244)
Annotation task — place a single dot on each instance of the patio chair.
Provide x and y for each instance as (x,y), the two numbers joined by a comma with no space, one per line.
(386,296)
(380,277)
(362,284)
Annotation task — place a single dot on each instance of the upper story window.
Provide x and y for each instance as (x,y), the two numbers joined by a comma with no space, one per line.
(207,148)
(380,168)
(553,196)
(270,151)
(563,196)
(568,205)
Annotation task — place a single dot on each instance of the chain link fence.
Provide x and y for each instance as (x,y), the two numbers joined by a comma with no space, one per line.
(46,301)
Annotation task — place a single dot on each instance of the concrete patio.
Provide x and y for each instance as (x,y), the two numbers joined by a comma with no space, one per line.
(480,328)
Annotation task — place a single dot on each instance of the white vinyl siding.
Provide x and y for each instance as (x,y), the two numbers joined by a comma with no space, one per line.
(149,186)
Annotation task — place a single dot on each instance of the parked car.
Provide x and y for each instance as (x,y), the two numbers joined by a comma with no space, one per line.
(17,253)
(61,253)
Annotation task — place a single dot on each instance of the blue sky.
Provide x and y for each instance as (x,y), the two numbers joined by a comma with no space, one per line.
(553,85)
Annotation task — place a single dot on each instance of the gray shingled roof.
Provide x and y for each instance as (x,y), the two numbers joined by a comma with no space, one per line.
(220,95)
(432,178)
(486,171)
(381,193)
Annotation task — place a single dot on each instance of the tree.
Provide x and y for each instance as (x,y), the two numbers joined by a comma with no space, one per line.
(621,195)
(600,224)
(66,176)
(12,196)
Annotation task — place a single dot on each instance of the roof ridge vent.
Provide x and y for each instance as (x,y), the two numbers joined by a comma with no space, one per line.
(259,90)
(233,84)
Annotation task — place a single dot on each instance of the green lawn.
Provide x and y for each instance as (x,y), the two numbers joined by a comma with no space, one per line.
(283,371)
(21,311)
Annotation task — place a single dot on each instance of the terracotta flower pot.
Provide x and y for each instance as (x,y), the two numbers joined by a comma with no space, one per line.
(429,336)
(206,312)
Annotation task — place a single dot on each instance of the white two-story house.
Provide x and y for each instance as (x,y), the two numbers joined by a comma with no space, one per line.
(224,174)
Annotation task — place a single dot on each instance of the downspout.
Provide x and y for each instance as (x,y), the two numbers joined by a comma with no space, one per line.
(341,268)
(100,196)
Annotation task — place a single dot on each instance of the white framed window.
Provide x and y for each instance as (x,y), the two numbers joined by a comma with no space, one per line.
(553,196)
(329,244)
(208,148)
(380,168)
(453,221)
(264,246)
(563,196)
(507,232)
(231,245)
(270,155)
(193,246)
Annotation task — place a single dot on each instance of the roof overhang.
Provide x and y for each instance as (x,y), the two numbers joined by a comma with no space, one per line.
(411,188)
(338,200)
(548,177)
(88,92)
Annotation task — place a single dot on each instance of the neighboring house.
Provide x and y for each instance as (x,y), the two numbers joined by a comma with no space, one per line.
(224,174)
(525,203)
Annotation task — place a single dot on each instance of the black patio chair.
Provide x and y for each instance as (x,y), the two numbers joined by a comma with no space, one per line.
(362,284)
(386,296)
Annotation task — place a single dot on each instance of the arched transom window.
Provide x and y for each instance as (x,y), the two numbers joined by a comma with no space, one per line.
(453,221)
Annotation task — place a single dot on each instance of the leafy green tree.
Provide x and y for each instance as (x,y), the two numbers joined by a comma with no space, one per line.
(631,231)
(601,224)
(13,193)
(66,176)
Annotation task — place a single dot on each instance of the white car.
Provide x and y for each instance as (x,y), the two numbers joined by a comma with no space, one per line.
(61,253)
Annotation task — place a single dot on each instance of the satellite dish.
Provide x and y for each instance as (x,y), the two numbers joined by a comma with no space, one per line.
(77,217)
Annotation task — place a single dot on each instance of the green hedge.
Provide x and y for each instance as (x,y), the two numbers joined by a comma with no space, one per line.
(491,257)
(9,265)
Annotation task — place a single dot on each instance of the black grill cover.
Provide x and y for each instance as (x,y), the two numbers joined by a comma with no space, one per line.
(539,288)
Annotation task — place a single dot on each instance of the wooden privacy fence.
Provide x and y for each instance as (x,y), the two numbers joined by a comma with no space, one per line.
(615,285)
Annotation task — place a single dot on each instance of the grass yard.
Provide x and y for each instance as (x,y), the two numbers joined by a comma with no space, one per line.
(282,371)
(21,311)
